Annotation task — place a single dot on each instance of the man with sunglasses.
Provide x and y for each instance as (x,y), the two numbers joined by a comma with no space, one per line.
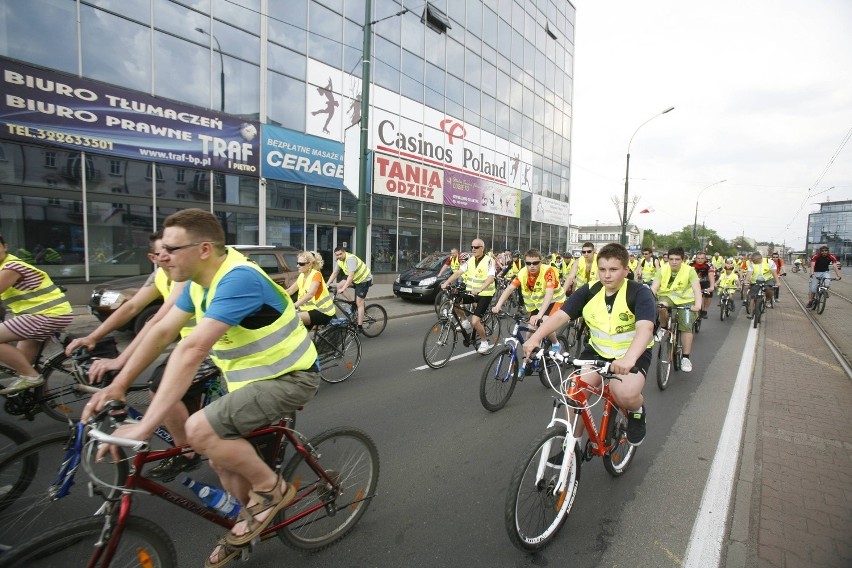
(584,271)
(478,274)
(540,289)
(820,263)
(648,267)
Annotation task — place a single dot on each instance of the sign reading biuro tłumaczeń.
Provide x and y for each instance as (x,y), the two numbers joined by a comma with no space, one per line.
(47,107)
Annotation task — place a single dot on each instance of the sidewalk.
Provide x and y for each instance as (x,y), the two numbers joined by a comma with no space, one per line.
(793,502)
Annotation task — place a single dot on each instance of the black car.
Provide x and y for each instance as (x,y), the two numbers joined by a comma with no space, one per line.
(422,282)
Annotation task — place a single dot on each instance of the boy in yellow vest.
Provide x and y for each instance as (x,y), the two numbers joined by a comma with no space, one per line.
(620,314)
(677,284)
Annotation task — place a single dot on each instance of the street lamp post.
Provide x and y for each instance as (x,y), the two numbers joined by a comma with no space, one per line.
(221,68)
(695,221)
(627,177)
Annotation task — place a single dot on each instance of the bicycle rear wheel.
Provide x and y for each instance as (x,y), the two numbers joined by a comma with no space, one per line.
(10,438)
(37,486)
(339,352)
(822,298)
(142,544)
(664,363)
(350,458)
(618,458)
(535,509)
(498,379)
(375,320)
(441,298)
(439,343)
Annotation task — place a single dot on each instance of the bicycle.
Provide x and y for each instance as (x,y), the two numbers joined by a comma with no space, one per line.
(507,366)
(375,315)
(65,390)
(544,484)
(440,341)
(726,303)
(575,336)
(338,349)
(38,476)
(756,305)
(670,351)
(821,296)
(330,500)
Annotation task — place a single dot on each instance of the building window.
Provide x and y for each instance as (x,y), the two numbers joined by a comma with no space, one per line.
(50,159)
(149,172)
(180,175)
(115,167)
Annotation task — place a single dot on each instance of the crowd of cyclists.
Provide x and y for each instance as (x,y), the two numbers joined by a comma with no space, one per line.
(224,307)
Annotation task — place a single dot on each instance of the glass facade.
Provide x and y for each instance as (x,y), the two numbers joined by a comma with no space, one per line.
(497,69)
(832,226)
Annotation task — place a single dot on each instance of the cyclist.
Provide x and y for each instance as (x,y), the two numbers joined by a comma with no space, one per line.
(797,263)
(513,267)
(356,273)
(478,275)
(632,265)
(540,289)
(664,259)
(649,267)
(249,326)
(759,270)
(39,309)
(729,280)
(820,263)
(706,279)
(779,268)
(718,262)
(314,302)
(452,262)
(620,314)
(677,284)
(584,271)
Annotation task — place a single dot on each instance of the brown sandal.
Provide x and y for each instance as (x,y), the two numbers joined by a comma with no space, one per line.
(225,554)
(272,501)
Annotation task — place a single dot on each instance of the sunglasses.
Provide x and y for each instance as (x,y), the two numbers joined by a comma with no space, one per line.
(474,247)
(588,251)
(172,250)
(532,262)
(303,263)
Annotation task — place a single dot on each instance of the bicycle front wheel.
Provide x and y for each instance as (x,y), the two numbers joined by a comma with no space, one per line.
(375,320)
(664,363)
(143,544)
(37,486)
(821,300)
(536,506)
(441,298)
(723,310)
(621,452)
(498,379)
(351,460)
(439,343)
(339,352)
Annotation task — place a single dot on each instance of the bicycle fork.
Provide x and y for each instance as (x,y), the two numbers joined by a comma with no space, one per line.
(567,448)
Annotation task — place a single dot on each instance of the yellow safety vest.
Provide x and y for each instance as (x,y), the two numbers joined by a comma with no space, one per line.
(566,267)
(515,268)
(761,271)
(362,273)
(324,305)
(632,264)
(248,355)
(581,272)
(164,286)
(728,280)
(611,333)
(534,297)
(680,292)
(718,263)
(454,262)
(46,300)
(477,273)
(649,270)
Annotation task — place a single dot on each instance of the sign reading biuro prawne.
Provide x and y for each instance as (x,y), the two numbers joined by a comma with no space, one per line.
(46,107)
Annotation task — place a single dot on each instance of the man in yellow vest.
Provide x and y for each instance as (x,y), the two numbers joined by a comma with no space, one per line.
(356,273)
(479,273)
(39,310)
(540,290)
(677,284)
(620,314)
(452,262)
(584,271)
(763,270)
(632,264)
(648,267)
(251,330)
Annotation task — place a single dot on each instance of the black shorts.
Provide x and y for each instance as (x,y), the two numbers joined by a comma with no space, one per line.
(362,288)
(643,363)
(480,303)
(318,318)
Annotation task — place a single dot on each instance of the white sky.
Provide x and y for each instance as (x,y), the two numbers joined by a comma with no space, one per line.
(762,91)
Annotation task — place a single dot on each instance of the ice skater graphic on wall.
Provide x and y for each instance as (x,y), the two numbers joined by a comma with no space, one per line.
(331,104)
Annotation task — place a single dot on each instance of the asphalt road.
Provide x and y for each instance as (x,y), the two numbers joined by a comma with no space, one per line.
(446,464)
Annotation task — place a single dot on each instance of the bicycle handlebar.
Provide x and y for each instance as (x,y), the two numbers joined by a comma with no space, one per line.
(135,445)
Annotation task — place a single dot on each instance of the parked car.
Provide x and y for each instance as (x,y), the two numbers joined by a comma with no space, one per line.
(278,262)
(422,282)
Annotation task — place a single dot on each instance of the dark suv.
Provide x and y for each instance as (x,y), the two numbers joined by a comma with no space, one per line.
(278,262)
(422,282)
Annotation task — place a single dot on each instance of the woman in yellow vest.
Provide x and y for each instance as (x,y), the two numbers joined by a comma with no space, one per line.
(620,314)
(39,310)
(678,285)
(314,302)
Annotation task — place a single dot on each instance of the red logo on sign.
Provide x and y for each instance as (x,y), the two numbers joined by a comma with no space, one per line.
(452,129)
